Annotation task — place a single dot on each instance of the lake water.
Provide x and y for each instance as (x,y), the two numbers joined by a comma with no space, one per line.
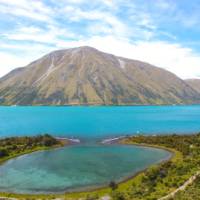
(88,164)
(75,167)
(98,122)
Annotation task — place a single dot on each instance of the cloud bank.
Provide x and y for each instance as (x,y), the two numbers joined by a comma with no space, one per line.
(164,34)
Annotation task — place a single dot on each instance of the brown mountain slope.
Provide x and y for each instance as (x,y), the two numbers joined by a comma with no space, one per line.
(194,83)
(85,75)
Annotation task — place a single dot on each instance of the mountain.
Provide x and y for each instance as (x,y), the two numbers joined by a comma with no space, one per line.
(194,83)
(85,75)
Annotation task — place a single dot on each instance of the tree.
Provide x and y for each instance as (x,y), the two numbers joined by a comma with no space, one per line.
(116,195)
(92,197)
(113,185)
(3,153)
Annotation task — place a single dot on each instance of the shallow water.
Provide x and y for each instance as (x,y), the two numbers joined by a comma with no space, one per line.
(75,167)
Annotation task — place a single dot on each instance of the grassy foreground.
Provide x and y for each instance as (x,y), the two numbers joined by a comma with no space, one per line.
(155,182)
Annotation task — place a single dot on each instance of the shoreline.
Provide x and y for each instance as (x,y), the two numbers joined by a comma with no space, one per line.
(91,189)
(28,152)
(112,140)
(68,141)
(96,104)
(125,179)
(63,142)
(131,177)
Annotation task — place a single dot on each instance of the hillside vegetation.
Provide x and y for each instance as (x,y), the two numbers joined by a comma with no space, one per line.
(85,75)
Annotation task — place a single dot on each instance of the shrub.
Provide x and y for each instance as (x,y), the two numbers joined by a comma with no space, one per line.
(3,153)
(113,185)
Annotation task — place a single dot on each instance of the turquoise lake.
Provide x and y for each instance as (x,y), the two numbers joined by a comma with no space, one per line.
(75,167)
(89,164)
(97,122)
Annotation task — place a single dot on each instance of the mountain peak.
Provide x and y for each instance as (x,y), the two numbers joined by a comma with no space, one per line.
(84,75)
(74,49)
(86,48)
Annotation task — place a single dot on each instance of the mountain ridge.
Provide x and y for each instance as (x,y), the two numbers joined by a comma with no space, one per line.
(85,75)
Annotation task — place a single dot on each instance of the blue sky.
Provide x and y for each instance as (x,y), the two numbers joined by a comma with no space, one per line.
(162,32)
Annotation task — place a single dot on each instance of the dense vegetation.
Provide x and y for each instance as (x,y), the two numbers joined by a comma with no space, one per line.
(191,193)
(14,146)
(160,180)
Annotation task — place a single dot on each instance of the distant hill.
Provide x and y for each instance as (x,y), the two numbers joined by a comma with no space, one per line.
(194,83)
(85,75)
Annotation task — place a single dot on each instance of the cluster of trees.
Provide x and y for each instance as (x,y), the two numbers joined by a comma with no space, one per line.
(15,145)
(159,180)
(182,143)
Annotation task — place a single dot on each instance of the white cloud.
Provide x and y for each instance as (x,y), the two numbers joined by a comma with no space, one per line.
(10,61)
(106,2)
(26,54)
(35,34)
(165,4)
(106,21)
(109,3)
(33,9)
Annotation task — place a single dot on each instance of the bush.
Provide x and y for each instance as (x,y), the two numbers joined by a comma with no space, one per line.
(113,185)
(92,197)
(116,195)
(3,153)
